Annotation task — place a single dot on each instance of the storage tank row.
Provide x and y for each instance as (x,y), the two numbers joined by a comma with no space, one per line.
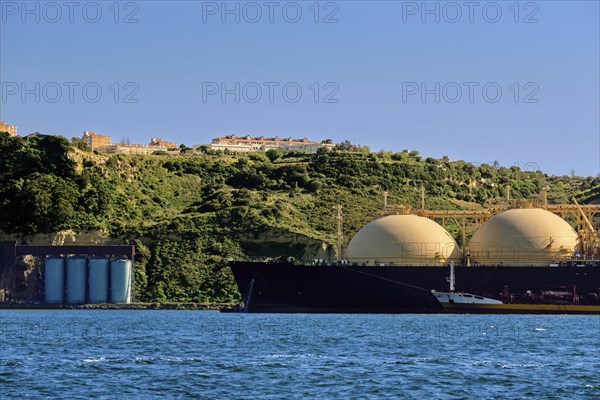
(517,237)
(97,280)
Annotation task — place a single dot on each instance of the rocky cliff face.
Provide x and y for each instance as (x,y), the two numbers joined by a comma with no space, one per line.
(276,242)
(67,237)
(21,282)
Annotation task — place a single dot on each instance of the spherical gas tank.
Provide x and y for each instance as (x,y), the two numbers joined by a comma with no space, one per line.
(403,240)
(523,237)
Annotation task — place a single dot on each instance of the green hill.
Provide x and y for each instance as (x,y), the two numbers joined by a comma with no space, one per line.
(188,214)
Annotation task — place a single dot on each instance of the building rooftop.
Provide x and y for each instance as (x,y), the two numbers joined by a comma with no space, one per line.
(260,140)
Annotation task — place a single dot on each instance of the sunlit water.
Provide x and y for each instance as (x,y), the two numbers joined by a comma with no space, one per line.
(191,354)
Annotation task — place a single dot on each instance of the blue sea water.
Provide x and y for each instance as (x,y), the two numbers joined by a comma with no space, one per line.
(104,354)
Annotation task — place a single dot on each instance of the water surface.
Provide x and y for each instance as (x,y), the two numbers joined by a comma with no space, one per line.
(189,354)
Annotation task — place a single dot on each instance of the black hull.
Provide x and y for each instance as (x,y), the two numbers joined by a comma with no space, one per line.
(287,288)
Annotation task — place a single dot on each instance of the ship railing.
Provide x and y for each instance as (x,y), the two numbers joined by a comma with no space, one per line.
(566,298)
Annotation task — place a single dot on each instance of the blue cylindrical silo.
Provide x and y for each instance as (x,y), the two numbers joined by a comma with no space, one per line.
(120,281)
(98,289)
(54,280)
(76,280)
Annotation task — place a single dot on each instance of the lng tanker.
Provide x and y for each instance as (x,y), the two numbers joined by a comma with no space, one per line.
(522,260)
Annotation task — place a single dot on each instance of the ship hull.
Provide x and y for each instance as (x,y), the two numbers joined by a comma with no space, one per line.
(288,288)
(521,309)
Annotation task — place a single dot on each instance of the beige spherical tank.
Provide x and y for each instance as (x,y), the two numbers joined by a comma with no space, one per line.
(523,237)
(403,240)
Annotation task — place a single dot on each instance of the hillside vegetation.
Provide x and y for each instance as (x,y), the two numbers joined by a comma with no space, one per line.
(188,214)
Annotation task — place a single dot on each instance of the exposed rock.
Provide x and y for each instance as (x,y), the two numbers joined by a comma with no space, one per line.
(66,237)
(276,242)
(21,282)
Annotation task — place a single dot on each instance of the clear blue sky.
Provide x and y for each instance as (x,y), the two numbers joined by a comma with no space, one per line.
(375,61)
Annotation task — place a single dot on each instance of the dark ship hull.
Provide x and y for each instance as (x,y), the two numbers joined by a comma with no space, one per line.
(289,288)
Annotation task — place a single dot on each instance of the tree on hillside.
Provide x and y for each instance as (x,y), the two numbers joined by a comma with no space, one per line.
(80,144)
(274,154)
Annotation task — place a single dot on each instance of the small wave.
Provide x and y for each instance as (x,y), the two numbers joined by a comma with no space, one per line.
(200,374)
(95,360)
(503,365)
(309,355)
(144,360)
(528,365)
(539,329)
(12,363)
(176,360)
(400,362)
(163,359)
